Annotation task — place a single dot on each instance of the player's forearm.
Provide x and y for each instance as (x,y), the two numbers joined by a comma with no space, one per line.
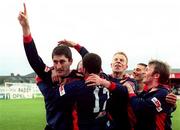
(111,86)
(26,31)
(107,84)
(82,50)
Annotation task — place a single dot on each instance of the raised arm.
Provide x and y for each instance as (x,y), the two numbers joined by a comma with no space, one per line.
(30,49)
(23,20)
(82,50)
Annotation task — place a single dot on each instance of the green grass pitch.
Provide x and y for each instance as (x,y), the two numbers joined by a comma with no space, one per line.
(29,114)
(176,117)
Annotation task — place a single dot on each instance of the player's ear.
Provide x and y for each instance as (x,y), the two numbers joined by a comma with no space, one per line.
(126,66)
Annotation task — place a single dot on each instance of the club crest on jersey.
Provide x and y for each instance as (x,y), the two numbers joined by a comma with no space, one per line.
(61,90)
(157,103)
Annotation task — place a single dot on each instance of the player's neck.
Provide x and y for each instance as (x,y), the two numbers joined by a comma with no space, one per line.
(152,84)
(67,73)
(118,75)
(141,86)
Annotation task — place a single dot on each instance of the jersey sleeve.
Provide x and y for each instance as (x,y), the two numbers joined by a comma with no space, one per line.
(34,59)
(153,104)
(82,50)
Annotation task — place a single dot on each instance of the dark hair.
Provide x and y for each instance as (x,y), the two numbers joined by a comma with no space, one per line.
(142,64)
(162,69)
(92,63)
(62,50)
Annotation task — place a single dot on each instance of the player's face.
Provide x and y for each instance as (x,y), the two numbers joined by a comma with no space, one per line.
(119,63)
(149,74)
(138,72)
(62,65)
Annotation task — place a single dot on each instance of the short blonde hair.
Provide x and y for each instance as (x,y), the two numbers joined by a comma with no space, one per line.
(121,53)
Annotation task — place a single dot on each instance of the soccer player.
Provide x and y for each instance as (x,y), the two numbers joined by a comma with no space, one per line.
(91,101)
(120,113)
(138,74)
(57,119)
(151,109)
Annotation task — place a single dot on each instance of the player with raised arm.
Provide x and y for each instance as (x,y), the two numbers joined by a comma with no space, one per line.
(61,118)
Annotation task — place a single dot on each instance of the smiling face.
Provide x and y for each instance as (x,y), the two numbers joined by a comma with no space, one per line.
(151,77)
(138,72)
(157,70)
(119,63)
(62,65)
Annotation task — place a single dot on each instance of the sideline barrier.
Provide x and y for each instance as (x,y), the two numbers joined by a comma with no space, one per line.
(19,91)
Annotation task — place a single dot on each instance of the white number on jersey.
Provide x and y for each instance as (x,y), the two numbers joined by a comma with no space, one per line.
(96,94)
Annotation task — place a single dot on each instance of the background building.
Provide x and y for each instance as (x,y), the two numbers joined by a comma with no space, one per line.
(29,78)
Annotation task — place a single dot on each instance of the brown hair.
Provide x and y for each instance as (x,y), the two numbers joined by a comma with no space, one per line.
(62,50)
(92,63)
(162,69)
